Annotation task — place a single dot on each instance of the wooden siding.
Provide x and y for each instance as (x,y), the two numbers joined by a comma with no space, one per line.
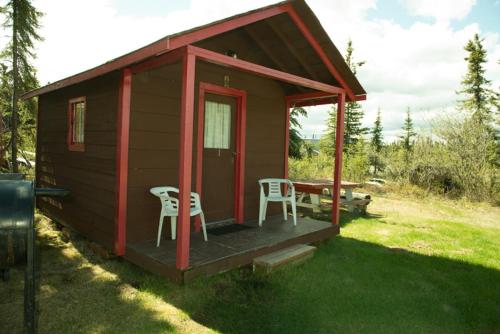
(154,138)
(89,175)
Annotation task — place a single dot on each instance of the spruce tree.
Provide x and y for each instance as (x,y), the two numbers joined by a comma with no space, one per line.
(22,19)
(408,134)
(354,114)
(479,99)
(353,128)
(327,142)
(295,140)
(5,105)
(376,144)
(377,136)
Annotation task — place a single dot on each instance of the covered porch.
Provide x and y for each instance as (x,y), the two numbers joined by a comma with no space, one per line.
(228,246)
(188,256)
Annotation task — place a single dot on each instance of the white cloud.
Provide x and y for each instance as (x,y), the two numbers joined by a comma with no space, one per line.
(82,34)
(420,66)
(441,10)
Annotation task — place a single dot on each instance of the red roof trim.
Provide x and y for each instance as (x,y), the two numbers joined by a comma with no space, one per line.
(176,41)
(319,50)
(217,58)
(165,45)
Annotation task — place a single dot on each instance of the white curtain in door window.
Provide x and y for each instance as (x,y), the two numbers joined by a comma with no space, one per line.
(217,125)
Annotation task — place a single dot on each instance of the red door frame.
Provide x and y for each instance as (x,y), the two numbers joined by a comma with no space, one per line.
(241,111)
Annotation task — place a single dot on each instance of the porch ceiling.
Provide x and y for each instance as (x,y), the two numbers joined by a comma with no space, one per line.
(275,43)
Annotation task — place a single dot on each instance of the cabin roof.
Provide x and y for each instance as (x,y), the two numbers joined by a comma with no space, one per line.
(217,28)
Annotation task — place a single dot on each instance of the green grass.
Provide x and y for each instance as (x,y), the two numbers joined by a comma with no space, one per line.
(408,267)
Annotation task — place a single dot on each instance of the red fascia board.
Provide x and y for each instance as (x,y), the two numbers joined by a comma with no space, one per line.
(220,59)
(163,59)
(307,96)
(162,46)
(319,50)
(317,102)
(227,25)
(316,99)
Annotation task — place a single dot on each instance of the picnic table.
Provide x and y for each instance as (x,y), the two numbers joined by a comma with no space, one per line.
(314,189)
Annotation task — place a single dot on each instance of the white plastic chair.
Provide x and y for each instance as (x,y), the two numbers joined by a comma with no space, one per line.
(170,208)
(274,194)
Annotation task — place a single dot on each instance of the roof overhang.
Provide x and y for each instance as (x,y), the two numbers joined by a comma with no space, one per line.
(298,10)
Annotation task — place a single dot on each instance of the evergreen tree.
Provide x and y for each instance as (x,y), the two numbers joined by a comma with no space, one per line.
(408,134)
(353,129)
(5,105)
(377,142)
(479,100)
(377,137)
(295,140)
(22,19)
(327,142)
(482,102)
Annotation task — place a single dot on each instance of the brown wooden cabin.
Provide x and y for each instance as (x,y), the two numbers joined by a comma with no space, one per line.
(111,133)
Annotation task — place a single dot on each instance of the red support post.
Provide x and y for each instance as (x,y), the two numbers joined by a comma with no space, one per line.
(240,158)
(185,159)
(122,141)
(337,173)
(287,135)
(199,150)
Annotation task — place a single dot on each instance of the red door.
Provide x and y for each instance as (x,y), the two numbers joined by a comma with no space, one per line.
(219,153)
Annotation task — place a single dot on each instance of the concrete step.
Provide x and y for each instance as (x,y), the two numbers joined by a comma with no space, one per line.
(294,254)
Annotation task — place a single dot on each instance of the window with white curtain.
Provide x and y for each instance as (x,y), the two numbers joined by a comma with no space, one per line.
(217,125)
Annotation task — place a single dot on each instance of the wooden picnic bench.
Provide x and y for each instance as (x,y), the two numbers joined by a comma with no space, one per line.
(315,189)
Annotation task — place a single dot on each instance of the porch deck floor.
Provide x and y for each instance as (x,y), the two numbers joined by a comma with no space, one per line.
(241,245)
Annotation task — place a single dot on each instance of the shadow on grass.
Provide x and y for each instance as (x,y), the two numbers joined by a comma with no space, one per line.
(354,286)
(350,286)
(77,293)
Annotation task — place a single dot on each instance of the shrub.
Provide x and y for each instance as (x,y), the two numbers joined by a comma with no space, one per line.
(355,166)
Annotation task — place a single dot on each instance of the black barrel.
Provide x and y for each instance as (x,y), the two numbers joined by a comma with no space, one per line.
(16,217)
(17,234)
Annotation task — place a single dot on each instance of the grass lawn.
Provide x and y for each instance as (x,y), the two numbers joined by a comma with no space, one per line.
(408,267)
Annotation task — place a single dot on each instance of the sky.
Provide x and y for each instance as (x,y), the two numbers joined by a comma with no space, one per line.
(413,49)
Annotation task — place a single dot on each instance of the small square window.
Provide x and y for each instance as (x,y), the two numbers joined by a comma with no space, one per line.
(76,124)
(217,125)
